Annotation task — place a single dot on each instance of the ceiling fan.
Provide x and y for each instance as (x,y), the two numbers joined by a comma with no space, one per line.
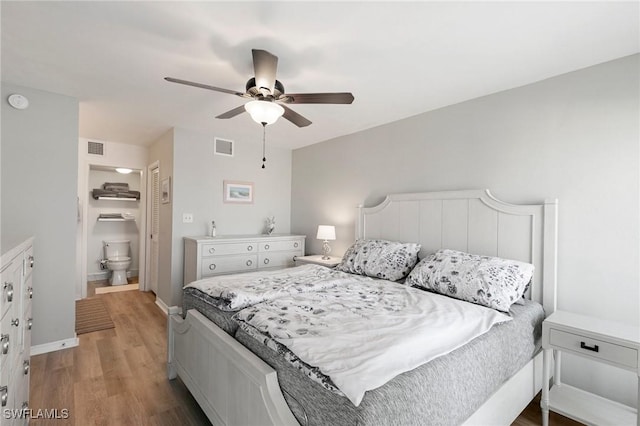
(269,100)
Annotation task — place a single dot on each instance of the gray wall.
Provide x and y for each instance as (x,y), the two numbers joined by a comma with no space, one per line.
(39,180)
(197,181)
(574,137)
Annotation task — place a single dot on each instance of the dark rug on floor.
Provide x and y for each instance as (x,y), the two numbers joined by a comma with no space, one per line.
(92,315)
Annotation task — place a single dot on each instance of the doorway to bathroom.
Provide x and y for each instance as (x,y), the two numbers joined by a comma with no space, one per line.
(113,212)
(113,217)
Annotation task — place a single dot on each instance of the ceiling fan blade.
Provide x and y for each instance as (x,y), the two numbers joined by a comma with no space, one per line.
(265,65)
(232,113)
(294,117)
(318,98)
(203,86)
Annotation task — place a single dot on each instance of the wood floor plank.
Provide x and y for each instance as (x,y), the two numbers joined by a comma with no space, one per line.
(117,377)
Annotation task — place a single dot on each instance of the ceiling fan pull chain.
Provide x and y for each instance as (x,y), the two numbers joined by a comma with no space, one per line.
(264,133)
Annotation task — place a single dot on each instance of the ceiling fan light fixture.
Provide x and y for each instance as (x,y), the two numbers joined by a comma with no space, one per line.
(264,111)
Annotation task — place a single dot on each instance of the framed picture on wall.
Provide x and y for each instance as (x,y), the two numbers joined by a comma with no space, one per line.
(238,192)
(165,190)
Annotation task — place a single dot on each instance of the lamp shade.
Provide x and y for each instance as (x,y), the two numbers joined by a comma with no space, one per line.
(264,111)
(326,232)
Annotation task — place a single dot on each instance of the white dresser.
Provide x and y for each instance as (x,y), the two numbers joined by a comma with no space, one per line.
(207,256)
(15,332)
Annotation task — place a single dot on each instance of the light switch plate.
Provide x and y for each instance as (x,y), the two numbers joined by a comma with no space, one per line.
(187,217)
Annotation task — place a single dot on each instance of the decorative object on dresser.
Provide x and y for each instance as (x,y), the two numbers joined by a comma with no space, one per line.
(237,192)
(326,233)
(227,254)
(318,259)
(271,225)
(608,342)
(15,328)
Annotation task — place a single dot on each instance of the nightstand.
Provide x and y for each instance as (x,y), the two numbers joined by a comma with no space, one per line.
(608,342)
(317,259)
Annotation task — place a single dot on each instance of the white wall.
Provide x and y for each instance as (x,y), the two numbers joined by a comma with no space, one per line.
(197,185)
(100,231)
(574,137)
(115,155)
(39,178)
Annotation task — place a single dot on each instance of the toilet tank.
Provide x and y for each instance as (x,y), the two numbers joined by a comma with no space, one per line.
(116,249)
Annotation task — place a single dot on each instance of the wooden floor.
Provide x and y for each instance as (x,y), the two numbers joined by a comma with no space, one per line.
(118,376)
(115,377)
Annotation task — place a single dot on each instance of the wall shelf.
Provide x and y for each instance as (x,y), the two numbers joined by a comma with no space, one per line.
(117,199)
(116,217)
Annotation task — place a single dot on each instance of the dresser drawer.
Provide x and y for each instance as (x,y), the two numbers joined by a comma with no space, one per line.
(278,259)
(616,354)
(228,264)
(230,248)
(287,245)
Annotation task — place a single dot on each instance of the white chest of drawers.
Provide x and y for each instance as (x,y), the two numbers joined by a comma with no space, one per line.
(207,256)
(15,332)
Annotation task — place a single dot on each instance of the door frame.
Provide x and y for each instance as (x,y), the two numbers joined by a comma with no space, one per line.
(148,221)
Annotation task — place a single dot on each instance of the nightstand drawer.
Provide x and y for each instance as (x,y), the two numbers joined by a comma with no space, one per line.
(605,351)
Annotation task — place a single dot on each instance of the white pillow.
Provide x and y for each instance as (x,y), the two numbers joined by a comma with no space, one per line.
(489,281)
(388,260)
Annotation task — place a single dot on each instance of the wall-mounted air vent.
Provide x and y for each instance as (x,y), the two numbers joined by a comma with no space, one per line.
(95,148)
(223,147)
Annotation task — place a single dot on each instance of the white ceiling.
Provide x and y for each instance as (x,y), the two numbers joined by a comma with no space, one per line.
(398,59)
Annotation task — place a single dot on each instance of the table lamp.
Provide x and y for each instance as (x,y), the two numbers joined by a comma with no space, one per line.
(326,233)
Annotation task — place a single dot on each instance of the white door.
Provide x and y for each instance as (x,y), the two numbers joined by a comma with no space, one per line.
(154,228)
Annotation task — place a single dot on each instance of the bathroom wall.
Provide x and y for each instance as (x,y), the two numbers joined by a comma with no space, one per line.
(97,232)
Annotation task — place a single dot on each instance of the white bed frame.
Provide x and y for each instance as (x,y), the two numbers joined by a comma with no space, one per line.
(235,387)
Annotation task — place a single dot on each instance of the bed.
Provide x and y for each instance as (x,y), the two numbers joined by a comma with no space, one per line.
(234,379)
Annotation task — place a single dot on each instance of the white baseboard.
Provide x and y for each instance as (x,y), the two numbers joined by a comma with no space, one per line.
(104,275)
(54,346)
(163,306)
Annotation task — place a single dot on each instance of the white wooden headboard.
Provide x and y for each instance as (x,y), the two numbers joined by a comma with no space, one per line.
(476,222)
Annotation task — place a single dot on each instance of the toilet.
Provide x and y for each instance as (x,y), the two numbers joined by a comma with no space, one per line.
(117,260)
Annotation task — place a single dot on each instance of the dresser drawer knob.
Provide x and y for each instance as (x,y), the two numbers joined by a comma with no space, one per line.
(249,248)
(249,262)
(4,395)
(30,292)
(15,321)
(593,348)
(266,261)
(5,343)
(295,245)
(212,250)
(31,262)
(25,365)
(266,246)
(212,266)
(29,323)
(9,287)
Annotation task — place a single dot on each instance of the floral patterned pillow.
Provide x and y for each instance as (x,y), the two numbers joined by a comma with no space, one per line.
(388,260)
(489,281)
